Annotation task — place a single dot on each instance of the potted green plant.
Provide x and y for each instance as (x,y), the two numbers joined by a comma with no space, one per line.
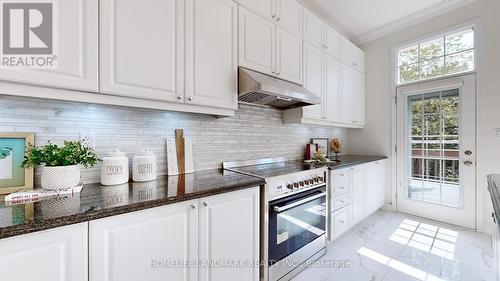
(60,164)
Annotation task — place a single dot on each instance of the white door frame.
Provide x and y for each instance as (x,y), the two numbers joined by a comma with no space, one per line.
(466,215)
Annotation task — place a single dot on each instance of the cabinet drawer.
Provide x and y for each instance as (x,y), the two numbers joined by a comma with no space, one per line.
(340,201)
(339,176)
(340,222)
(340,188)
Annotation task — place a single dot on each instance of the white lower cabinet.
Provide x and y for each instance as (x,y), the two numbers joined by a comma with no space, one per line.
(340,221)
(229,231)
(355,193)
(58,254)
(165,243)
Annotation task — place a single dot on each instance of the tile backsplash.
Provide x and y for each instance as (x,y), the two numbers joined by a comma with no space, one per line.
(255,132)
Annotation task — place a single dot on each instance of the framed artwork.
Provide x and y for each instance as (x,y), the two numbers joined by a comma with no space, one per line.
(322,144)
(13,177)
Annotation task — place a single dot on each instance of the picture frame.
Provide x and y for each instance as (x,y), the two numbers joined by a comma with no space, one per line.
(322,144)
(13,177)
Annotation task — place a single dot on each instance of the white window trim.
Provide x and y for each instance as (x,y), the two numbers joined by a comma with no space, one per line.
(419,40)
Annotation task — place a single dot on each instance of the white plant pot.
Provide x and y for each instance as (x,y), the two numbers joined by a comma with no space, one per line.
(60,177)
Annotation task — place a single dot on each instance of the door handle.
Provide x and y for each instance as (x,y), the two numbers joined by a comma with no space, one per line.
(468,163)
(300,202)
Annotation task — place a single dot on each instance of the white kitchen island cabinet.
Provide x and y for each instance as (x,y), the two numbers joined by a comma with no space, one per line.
(58,254)
(179,241)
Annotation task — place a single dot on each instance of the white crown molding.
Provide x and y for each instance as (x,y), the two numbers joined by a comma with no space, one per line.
(412,19)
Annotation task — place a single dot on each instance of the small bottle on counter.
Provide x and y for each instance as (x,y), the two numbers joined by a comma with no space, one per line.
(114,168)
(144,166)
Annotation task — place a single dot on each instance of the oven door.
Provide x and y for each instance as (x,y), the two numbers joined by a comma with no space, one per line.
(295,221)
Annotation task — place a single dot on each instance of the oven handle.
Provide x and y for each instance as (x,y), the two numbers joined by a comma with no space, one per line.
(297,203)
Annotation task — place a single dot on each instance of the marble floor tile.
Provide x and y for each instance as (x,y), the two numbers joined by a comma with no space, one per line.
(391,246)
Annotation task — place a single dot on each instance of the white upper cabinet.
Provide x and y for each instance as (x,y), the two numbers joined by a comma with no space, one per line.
(352,55)
(75,45)
(256,42)
(332,89)
(352,97)
(58,254)
(127,247)
(229,231)
(265,47)
(289,16)
(313,81)
(211,53)
(331,41)
(141,49)
(264,8)
(313,29)
(288,56)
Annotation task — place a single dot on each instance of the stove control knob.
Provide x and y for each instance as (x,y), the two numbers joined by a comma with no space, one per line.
(295,185)
(316,179)
(306,182)
(301,183)
(320,179)
(289,186)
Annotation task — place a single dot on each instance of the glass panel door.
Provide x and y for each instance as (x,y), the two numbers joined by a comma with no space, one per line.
(436,163)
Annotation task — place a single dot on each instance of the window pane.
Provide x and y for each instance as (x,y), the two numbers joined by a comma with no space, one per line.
(460,41)
(408,55)
(408,73)
(432,68)
(432,49)
(460,62)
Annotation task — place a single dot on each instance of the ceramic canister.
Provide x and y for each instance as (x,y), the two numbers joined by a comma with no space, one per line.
(144,166)
(114,168)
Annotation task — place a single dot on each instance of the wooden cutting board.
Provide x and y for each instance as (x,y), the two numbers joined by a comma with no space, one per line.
(179,155)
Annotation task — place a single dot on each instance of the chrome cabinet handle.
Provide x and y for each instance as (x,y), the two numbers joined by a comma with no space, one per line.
(342,221)
(468,163)
(274,16)
(179,97)
(193,206)
(190,98)
(205,204)
(278,19)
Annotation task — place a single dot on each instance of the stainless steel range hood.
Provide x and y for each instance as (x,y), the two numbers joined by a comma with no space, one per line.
(261,89)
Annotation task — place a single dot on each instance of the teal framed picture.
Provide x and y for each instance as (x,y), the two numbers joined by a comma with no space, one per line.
(13,177)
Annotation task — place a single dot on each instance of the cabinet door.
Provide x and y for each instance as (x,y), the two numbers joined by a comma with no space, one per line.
(289,56)
(75,43)
(211,53)
(352,55)
(358,194)
(135,246)
(375,187)
(313,29)
(290,16)
(58,254)
(264,8)
(352,97)
(358,86)
(256,42)
(332,89)
(332,41)
(229,230)
(340,222)
(313,79)
(142,49)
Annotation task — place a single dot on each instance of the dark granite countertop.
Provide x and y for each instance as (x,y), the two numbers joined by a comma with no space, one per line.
(96,201)
(347,160)
(493,188)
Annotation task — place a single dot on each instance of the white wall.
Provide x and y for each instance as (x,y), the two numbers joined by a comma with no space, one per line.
(376,137)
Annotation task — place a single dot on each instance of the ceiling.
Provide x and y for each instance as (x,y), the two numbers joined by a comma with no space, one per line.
(366,20)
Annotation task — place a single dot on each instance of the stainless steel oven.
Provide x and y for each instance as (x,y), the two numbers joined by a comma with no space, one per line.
(293,214)
(296,230)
